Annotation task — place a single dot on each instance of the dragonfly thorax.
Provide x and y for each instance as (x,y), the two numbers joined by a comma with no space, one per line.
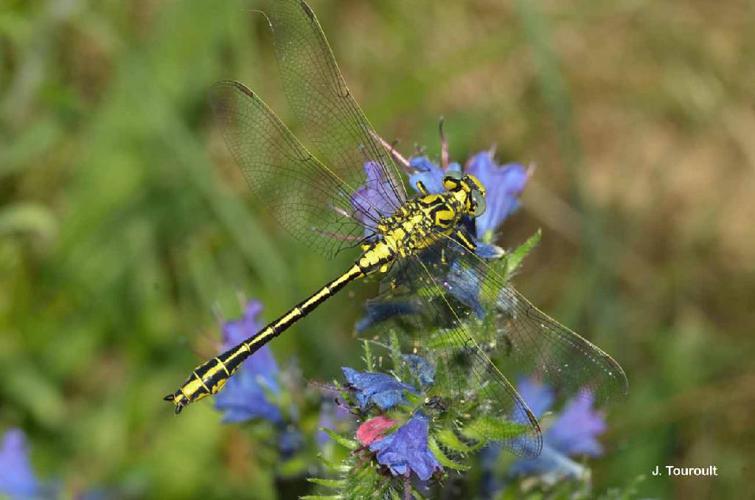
(423,221)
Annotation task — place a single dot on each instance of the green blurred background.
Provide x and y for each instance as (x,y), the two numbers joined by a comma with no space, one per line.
(123,221)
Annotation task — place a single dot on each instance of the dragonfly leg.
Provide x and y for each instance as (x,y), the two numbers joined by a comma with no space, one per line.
(391,148)
(465,241)
(421,188)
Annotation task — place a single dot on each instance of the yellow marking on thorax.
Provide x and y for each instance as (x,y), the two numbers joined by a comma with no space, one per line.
(377,254)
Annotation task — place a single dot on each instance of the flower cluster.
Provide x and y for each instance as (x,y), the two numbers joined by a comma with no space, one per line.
(401,449)
(572,432)
(410,430)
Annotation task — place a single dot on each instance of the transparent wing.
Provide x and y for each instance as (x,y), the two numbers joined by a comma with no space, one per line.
(462,314)
(524,340)
(329,116)
(304,196)
(445,334)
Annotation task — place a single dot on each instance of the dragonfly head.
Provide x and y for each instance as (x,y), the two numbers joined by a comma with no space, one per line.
(468,189)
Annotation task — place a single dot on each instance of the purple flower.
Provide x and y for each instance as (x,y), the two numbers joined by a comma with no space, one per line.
(17,478)
(420,368)
(331,414)
(465,286)
(244,395)
(376,312)
(290,441)
(504,184)
(378,388)
(538,396)
(429,173)
(551,465)
(376,198)
(405,451)
(574,432)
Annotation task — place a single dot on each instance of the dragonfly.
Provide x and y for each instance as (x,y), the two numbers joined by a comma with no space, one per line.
(350,195)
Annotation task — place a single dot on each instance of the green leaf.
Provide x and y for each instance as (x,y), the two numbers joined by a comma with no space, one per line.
(450,440)
(444,460)
(321,497)
(492,429)
(514,259)
(396,358)
(445,339)
(368,360)
(345,442)
(328,483)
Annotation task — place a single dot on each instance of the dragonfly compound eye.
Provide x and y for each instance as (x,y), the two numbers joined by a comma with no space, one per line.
(478,203)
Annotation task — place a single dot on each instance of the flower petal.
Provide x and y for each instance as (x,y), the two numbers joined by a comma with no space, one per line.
(406,450)
(551,465)
(374,429)
(420,368)
(376,198)
(236,331)
(428,172)
(538,396)
(376,311)
(378,388)
(244,396)
(504,185)
(17,478)
(576,429)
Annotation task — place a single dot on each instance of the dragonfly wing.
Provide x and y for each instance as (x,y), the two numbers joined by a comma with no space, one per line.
(462,313)
(465,377)
(525,340)
(304,196)
(521,339)
(330,118)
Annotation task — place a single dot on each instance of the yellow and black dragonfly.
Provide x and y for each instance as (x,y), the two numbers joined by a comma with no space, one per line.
(422,246)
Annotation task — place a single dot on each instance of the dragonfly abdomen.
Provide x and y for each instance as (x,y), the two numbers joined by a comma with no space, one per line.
(210,377)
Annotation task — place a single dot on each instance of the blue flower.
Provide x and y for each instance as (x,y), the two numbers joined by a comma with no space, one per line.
(574,432)
(376,198)
(406,451)
(290,441)
(17,479)
(420,368)
(504,185)
(465,286)
(378,388)
(538,396)
(244,395)
(429,173)
(376,311)
(331,415)
(551,466)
